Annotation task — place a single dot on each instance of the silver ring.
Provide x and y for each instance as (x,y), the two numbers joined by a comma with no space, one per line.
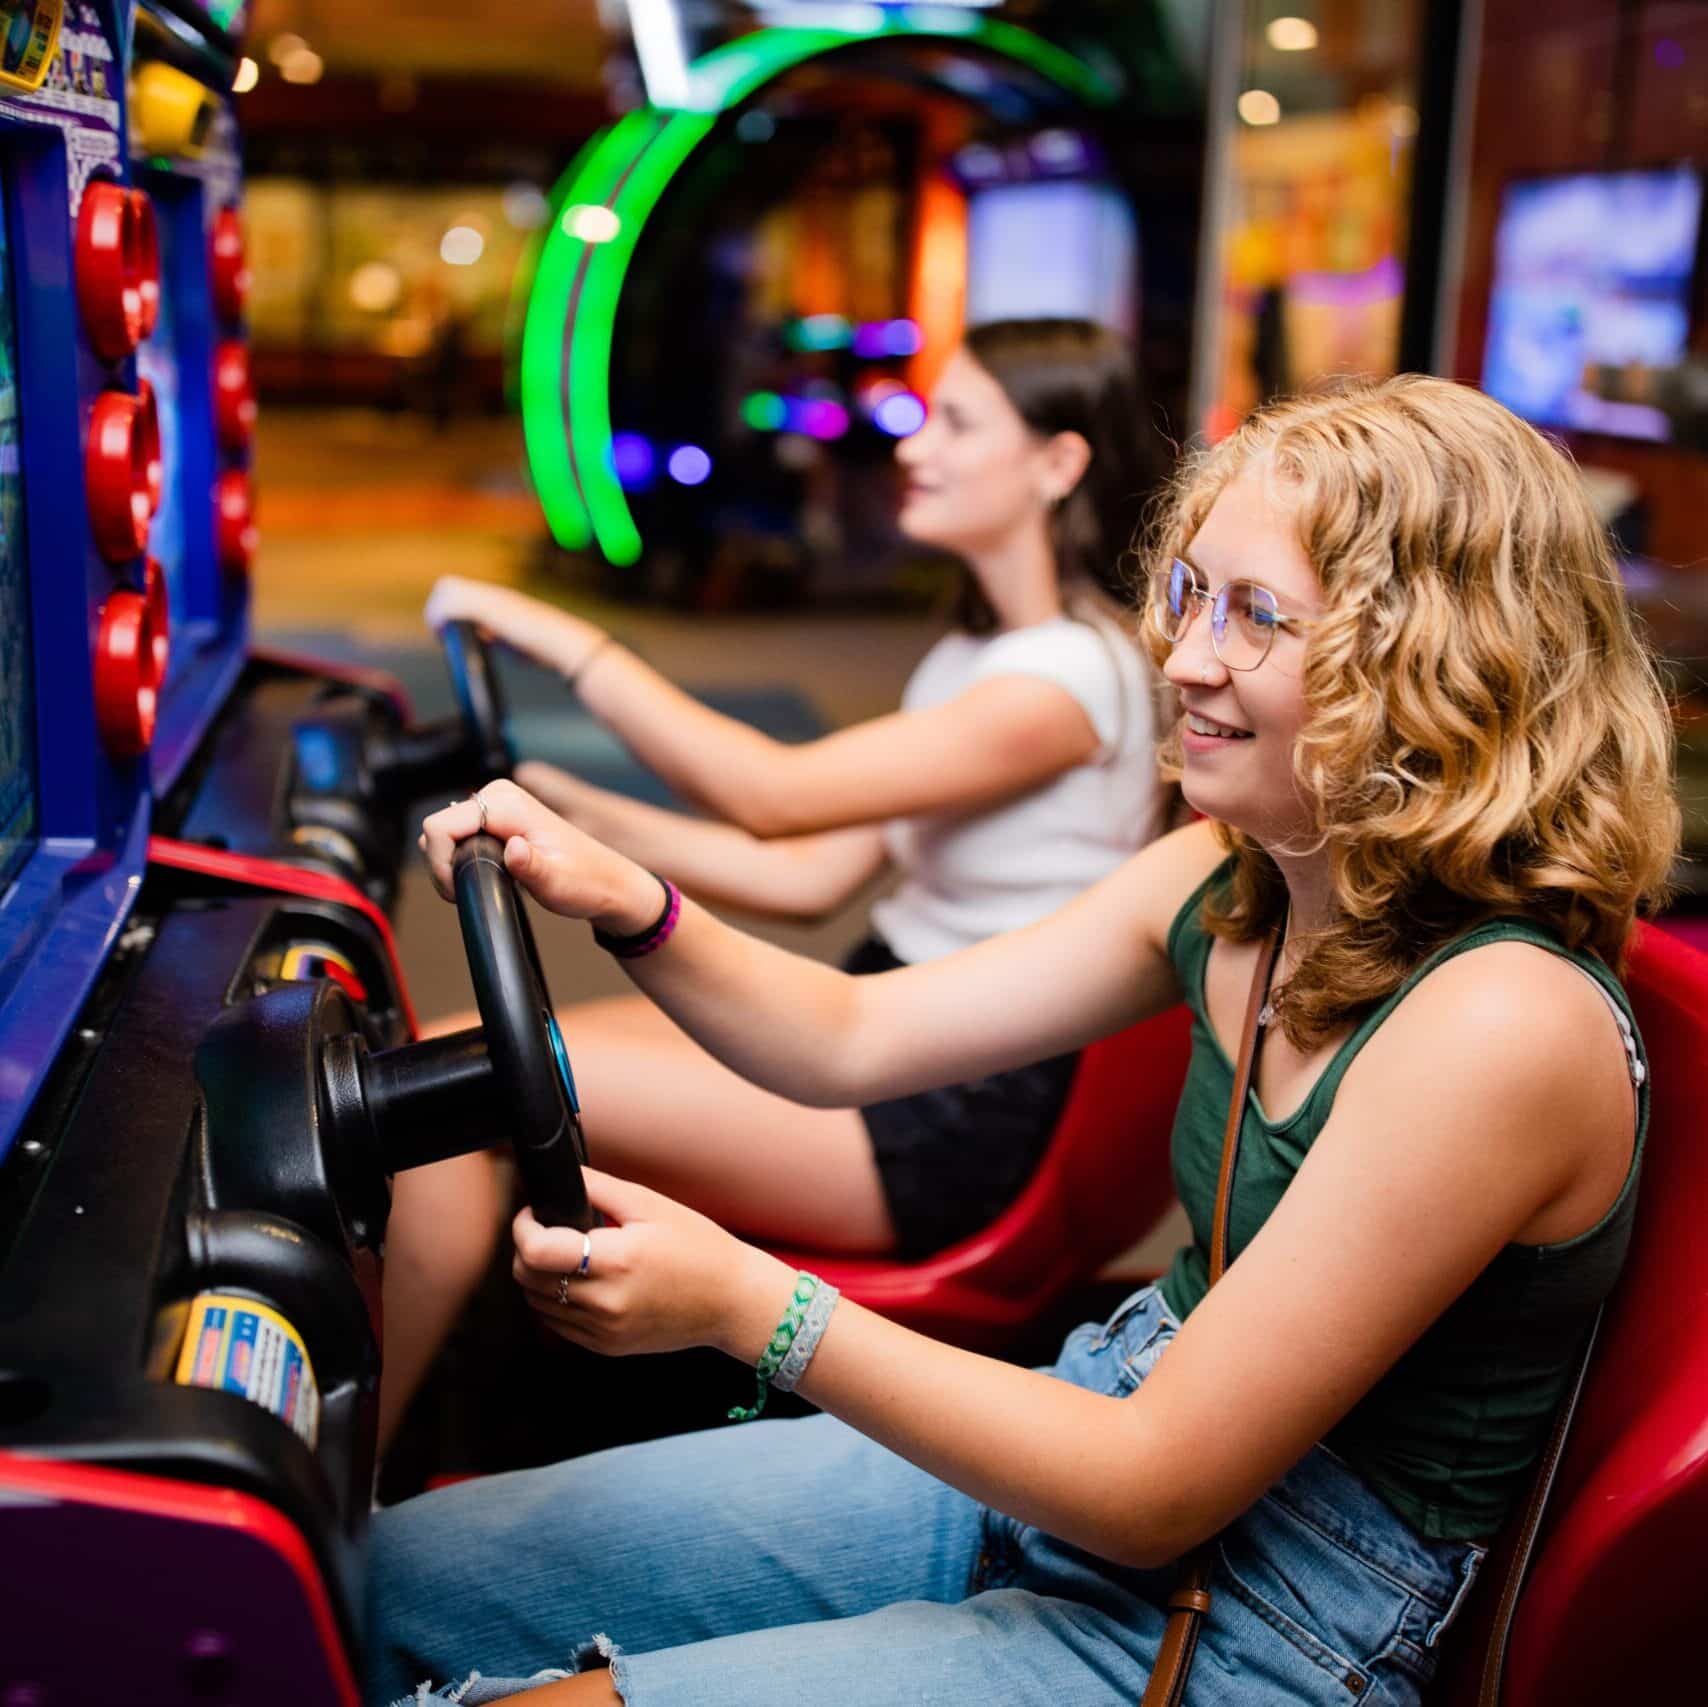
(563,1289)
(586,1256)
(475,797)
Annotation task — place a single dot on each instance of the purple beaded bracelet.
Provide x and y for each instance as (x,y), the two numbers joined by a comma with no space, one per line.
(654,937)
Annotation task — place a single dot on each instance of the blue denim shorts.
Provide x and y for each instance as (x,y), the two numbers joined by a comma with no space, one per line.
(788,1562)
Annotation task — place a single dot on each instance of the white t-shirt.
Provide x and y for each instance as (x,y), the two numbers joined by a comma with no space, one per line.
(968,877)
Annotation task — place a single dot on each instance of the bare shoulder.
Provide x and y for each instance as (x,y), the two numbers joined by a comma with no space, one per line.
(1507,1047)
(1164,874)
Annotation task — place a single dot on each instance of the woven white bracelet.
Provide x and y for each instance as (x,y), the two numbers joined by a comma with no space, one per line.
(807,1336)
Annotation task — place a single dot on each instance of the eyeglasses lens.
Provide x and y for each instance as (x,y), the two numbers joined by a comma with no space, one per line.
(1243,624)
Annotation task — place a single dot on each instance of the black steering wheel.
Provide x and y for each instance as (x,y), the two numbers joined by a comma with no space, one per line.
(530,1067)
(480,699)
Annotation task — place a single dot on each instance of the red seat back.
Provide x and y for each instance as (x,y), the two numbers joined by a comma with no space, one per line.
(1612,1607)
(1103,1183)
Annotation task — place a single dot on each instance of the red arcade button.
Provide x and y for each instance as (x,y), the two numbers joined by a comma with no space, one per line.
(148,260)
(115,471)
(128,654)
(234,395)
(153,461)
(229,266)
(157,602)
(234,522)
(109,269)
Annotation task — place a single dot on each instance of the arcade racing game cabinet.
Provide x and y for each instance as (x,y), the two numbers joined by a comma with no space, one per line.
(207,1071)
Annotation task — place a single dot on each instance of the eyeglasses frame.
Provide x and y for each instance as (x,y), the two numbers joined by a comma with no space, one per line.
(1201,598)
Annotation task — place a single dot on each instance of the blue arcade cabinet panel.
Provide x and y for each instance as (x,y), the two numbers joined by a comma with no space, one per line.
(17,677)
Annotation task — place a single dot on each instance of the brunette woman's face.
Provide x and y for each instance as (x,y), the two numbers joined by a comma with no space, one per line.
(975,472)
(1241,725)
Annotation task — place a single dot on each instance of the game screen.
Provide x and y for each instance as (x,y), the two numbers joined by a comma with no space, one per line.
(157,362)
(1595,268)
(17,679)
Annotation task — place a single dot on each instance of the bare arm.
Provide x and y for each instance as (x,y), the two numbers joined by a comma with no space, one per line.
(1418,1180)
(818,1036)
(999,739)
(799,877)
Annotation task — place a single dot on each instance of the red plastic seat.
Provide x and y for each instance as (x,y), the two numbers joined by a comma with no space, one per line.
(1103,1183)
(1613,1607)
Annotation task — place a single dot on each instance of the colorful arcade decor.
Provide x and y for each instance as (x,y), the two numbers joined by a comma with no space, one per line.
(602,204)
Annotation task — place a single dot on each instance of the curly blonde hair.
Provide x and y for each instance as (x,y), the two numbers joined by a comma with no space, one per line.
(1485,733)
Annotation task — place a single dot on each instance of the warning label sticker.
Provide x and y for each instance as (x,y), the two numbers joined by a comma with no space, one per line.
(239,1345)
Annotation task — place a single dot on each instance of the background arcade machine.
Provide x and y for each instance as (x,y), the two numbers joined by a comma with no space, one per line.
(206,1073)
(256,754)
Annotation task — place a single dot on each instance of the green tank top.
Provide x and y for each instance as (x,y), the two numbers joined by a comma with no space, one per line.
(1450,1436)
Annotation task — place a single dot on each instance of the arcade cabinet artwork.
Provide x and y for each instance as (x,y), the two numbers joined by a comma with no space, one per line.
(207,1072)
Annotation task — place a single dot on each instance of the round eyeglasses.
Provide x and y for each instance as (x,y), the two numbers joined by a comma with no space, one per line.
(1244,616)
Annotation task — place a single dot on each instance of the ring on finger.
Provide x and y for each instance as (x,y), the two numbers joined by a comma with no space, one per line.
(563,1289)
(481,805)
(586,1256)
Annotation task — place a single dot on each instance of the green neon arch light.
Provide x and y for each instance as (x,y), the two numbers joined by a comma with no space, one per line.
(572,311)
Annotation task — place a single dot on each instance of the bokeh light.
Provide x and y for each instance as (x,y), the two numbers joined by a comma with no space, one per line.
(689,465)
(461,246)
(591,222)
(899,414)
(633,461)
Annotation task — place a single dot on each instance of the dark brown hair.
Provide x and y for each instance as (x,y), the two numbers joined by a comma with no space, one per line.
(1075,376)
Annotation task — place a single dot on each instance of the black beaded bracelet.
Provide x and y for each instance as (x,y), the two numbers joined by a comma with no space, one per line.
(654,936)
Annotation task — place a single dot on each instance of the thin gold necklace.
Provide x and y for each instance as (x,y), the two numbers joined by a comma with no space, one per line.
(1266,1013)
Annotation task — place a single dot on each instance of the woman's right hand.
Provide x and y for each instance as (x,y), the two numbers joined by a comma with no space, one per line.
(537,630)
(565,870)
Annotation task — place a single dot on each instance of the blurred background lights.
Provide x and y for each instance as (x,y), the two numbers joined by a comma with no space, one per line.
(375,287)
(876,339)
(764,411)
(461,246)
(525,206)
(756,125)
(591,222)
(899,414)
(303,66)
(634,461)
(689,465)
(248,75)
(820,332)
(821,418)
(1258,106)
(281,47)
(1291,35)
(979,163)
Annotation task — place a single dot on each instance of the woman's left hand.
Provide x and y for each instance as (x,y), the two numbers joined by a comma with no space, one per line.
(661,1277)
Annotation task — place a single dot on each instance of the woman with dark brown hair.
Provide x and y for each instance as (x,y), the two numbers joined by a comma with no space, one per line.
(1019,770)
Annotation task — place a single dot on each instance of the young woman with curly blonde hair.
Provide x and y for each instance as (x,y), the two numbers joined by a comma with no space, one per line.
(1437,758)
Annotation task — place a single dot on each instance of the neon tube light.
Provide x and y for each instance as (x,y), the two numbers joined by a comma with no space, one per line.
(571,317)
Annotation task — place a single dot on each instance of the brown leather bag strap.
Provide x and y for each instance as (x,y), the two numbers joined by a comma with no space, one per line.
(1190,1600)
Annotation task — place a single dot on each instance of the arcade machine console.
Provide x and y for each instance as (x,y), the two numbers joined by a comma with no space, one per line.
(206,1065)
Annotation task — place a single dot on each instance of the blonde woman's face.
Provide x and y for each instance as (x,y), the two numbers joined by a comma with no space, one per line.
(1241,725)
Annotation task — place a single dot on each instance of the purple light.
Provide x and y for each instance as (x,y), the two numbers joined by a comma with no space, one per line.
(869,340)
(1669,53)
(899,414)
(876,339)
(689,465)
(822,419)
(633,461)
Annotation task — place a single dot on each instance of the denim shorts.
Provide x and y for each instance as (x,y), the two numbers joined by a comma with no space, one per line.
(786,1562)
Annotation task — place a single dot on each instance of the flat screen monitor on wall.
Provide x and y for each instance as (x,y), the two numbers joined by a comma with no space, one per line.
(1591,269)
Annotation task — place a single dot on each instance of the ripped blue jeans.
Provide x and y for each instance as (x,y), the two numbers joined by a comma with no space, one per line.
(788,1562)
